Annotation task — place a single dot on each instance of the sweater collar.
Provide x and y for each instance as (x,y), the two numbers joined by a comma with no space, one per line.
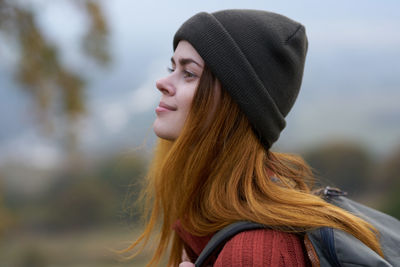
(193,242)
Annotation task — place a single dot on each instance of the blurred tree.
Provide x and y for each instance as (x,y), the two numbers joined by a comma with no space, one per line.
(388,183)
(54,88)
(6,218)
(96,39)
(85,202)
(125,174)
(94,196)
(389,171)
(345,165)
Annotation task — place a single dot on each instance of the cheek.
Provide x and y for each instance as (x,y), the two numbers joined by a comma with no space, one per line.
(186,99)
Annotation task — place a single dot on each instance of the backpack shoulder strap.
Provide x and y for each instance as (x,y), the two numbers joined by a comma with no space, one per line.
(216,243)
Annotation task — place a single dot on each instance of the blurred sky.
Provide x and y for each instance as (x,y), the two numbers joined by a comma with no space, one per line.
(350,91)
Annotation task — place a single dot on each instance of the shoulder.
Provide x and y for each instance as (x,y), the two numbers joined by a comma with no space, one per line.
(263,247)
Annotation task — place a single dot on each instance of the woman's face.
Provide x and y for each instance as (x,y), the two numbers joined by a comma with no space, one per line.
(177,89)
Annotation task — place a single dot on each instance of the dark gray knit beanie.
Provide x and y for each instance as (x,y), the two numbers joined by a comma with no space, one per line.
(257,56)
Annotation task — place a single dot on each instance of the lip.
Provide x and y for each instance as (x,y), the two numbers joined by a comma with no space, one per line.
(165,107)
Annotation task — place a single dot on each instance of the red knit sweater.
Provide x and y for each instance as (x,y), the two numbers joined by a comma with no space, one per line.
(264,247)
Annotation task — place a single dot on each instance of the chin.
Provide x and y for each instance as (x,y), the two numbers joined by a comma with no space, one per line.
(166,137)
(167,134)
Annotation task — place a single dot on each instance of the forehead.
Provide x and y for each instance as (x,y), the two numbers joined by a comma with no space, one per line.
(186,50)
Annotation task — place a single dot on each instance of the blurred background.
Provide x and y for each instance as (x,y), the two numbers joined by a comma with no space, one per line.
(77,100)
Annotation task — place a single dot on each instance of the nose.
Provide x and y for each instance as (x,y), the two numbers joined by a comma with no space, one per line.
(166,86)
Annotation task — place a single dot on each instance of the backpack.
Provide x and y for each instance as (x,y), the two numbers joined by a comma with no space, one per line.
(327,246)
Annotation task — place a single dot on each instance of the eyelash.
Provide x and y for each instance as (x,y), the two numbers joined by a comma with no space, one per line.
(187,73)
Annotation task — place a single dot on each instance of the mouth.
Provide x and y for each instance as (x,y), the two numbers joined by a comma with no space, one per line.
(162,107)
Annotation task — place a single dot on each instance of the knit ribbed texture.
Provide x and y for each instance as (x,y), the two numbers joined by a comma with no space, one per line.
(264,247)
(258,57)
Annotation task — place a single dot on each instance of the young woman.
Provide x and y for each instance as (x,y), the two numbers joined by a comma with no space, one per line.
(234,76)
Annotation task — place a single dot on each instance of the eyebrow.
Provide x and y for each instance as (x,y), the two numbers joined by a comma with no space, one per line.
(185,61)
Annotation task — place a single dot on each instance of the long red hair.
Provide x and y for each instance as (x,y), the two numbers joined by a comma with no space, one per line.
(217,173)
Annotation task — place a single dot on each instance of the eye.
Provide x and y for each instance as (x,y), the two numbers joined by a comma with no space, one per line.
(188,74)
